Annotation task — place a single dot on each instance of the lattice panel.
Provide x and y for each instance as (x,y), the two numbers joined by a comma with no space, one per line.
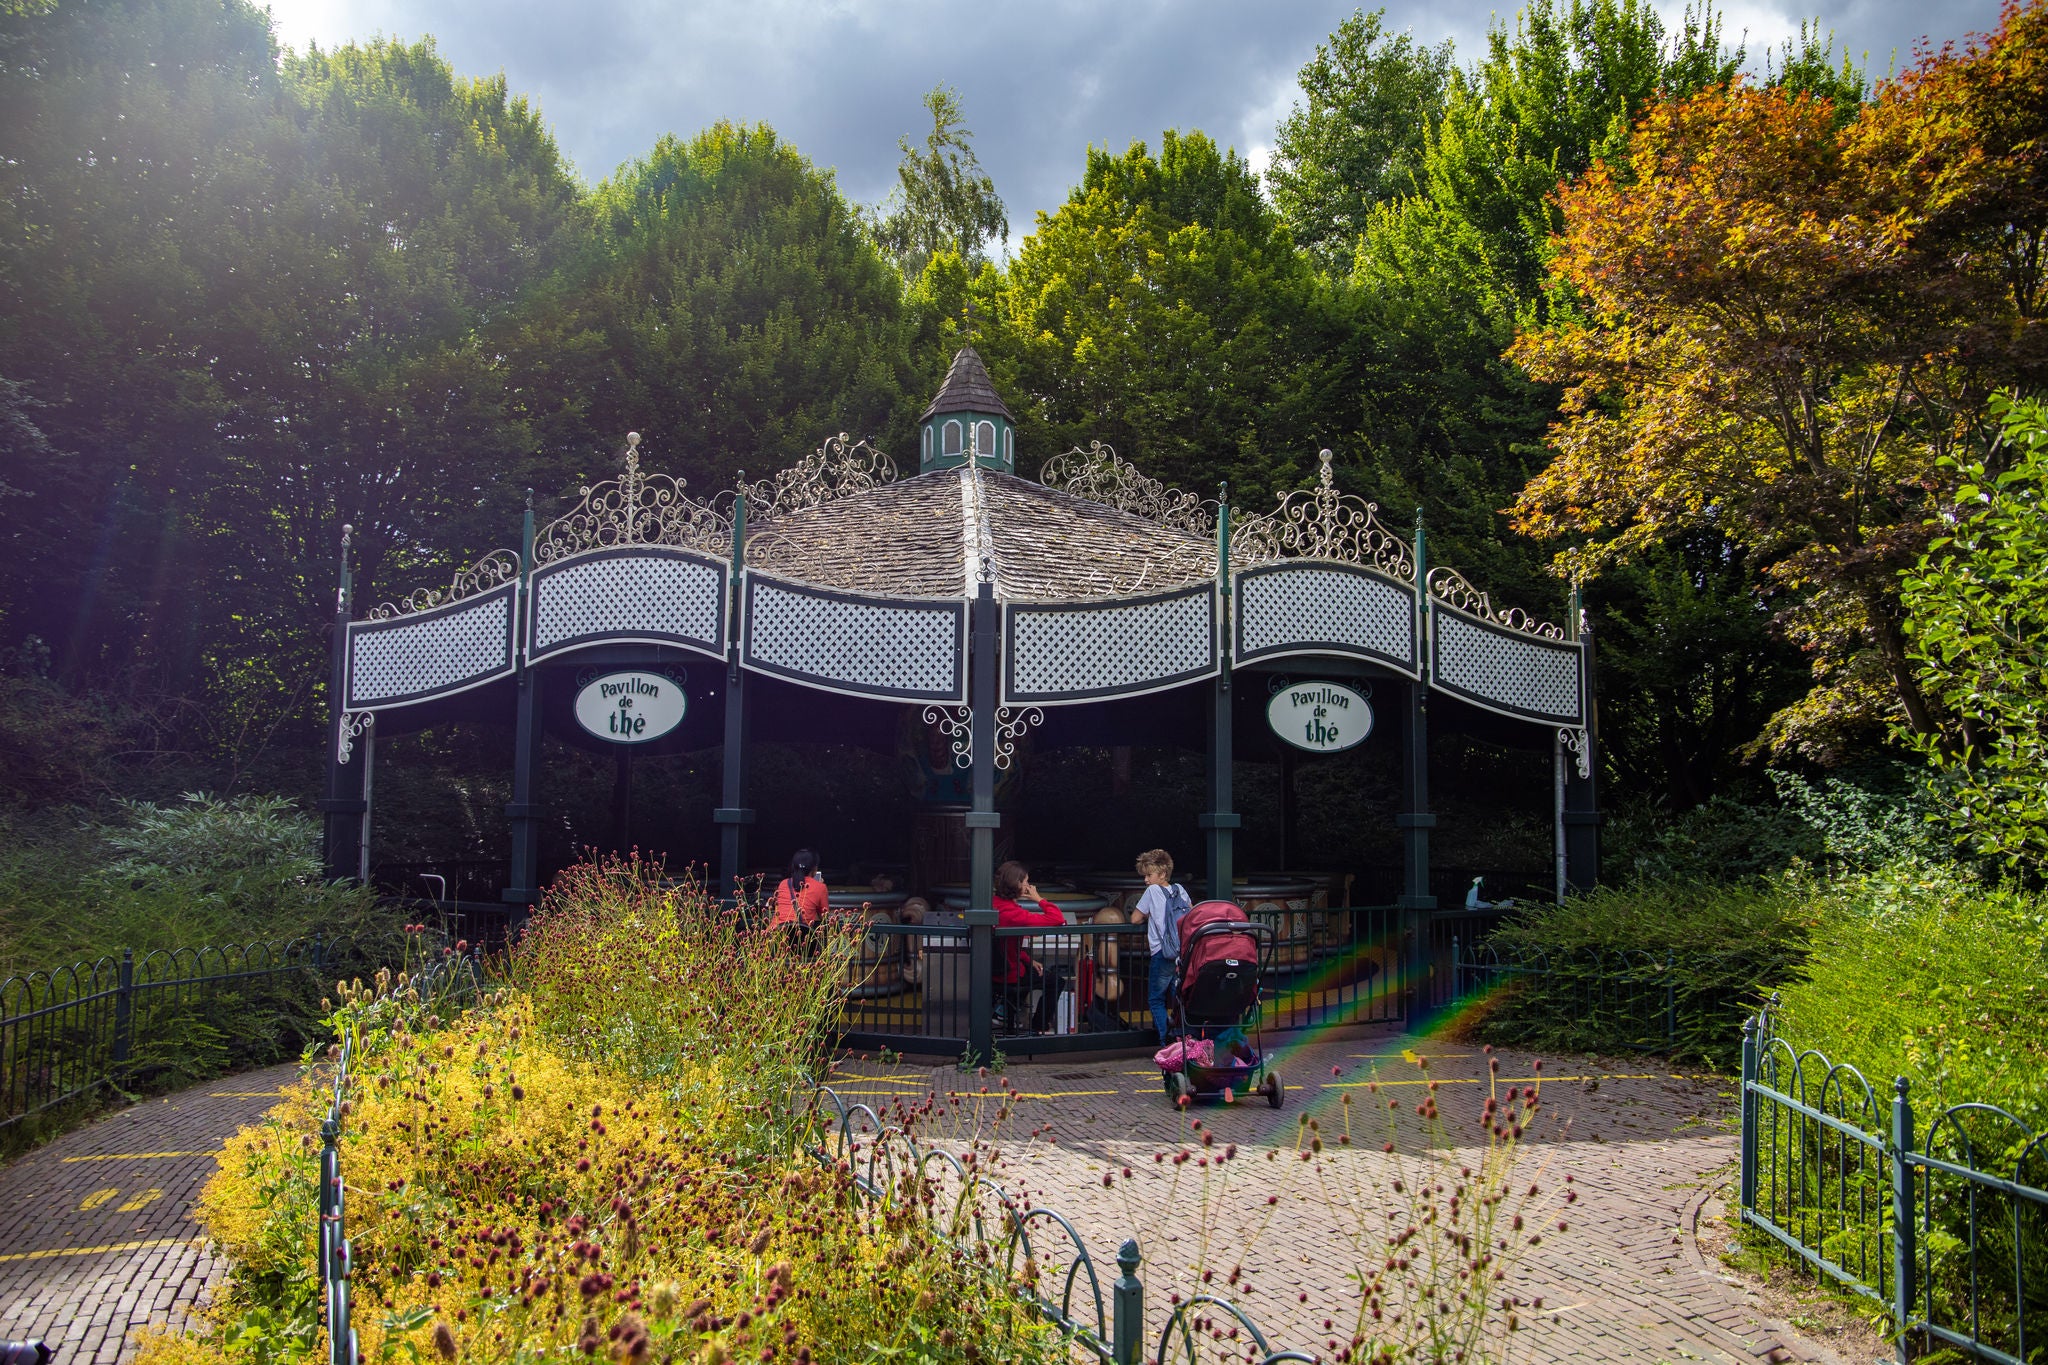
(1506,672)
(411,658)
(628,595)
(1074,653)
(867,646)
(1325,610)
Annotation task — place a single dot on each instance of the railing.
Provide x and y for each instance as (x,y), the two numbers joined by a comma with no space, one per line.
(1949,1234)
(913,987)
(65,1034)
(984,1220)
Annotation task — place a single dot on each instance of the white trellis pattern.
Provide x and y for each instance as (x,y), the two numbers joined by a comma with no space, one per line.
(1057,654)
(638,596)
(1326,609)
(1513,673)
(912,650)
(415,657)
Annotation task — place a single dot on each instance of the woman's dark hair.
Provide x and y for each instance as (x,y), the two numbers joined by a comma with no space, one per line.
(1010,879)
(802,864)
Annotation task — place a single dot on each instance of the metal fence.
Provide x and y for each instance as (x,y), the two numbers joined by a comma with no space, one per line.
(918,988)
(67,1033)
(1034,1249)
(1949,1232)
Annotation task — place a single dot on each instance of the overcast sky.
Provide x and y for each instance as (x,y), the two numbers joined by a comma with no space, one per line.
(842,79)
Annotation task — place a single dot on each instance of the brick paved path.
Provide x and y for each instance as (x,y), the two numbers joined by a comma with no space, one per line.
(96,1230)
(1648,1150)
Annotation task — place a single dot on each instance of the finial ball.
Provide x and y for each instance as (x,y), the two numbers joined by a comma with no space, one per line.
(1325,455)
(632,438)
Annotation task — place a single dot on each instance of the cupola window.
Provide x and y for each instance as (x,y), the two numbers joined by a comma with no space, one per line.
(951,439)
(985,440)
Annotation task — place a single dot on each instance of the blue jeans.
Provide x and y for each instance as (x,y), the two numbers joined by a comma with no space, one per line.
(1159,982)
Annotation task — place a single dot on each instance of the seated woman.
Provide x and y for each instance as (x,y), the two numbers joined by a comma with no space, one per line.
(1018,906)
(800,898)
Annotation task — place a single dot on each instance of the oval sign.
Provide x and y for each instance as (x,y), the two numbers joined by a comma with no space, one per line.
(1321,717)
(630,708)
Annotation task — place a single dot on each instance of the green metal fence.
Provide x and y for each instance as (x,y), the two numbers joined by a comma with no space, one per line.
(1947,1231)
(67,1034)
(1014,1237)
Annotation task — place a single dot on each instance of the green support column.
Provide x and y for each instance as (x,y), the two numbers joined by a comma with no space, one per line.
(1582,817)
(982,823)
(522,878)
(1416,821)
(1220,822)
(732,816)
(346,801)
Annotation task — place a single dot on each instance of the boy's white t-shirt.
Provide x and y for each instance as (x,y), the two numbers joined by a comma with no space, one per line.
(1162,931)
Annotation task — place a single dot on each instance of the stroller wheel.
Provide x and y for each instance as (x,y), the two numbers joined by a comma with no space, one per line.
(1179,1088)
(1275,1092)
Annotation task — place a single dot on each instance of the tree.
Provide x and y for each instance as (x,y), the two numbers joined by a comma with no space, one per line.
(1977,617)
(1785,333)
(943,201)
(1164,309)
(1355,139)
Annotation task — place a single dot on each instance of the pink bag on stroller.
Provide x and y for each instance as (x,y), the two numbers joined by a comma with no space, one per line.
(1181,1052)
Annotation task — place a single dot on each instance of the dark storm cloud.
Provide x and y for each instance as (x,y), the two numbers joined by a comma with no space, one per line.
(1042,82)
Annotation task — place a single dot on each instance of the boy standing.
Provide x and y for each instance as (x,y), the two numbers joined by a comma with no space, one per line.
(1159,910)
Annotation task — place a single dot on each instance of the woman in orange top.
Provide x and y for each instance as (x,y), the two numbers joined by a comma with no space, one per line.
(800,898)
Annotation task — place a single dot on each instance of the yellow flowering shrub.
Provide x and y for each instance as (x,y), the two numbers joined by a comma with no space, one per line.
(510,1196)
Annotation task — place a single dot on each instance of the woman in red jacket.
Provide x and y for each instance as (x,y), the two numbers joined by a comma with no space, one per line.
(800,898)
(1018,906)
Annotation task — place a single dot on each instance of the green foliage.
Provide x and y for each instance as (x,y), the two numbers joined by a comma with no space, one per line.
(943,201)
(1977,617)
(1355,140)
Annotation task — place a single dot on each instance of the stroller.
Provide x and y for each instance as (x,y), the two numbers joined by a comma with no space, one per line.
(1219,992)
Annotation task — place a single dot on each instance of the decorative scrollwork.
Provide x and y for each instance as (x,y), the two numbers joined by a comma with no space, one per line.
(1099,474)
(1011,725)
(956,723)
(1322,523)
(837,469)
(496,568)
(635,509)
(1454,589)
(1574,739)
(350,730)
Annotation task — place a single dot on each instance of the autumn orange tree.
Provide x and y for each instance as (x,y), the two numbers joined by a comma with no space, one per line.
(1783,326)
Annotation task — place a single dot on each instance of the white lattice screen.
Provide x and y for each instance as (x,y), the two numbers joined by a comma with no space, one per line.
(912,650)
(638,596)
(1325,609)
(412,658)
(1510,672)
(1068,653)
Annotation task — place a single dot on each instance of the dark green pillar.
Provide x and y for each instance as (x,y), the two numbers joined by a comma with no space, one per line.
(1220,822)
(346,801)
(732,816)
(1415,820)
(1582,815)
(982,823)
(522,873)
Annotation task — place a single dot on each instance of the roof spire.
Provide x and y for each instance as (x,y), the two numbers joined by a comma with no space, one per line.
(966,420)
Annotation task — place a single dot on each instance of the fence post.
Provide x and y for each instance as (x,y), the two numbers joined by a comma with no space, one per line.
(1127,1307)
(124,1009)
(1457,971)
(1749,1071)
(1903,1229)
(1670,997)
(330,1181)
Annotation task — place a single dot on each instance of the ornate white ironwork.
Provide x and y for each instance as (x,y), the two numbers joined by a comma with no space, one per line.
(1099,474)
(956,723)
(635,509)
(1451,587)
(349,731)
(1574,739)
(1322,523)
(1011,725)
(1317,608)
(1110,649)
(837,469)
(494,569)
(1503,670)
(903,648)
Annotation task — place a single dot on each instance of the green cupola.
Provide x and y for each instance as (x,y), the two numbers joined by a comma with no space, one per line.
(967,416)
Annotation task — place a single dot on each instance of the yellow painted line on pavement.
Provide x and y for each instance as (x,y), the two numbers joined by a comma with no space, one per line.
(96,1198)
(1482,1080)
(130,1156)
(94,1251)
(141,1201)
(243,1094)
